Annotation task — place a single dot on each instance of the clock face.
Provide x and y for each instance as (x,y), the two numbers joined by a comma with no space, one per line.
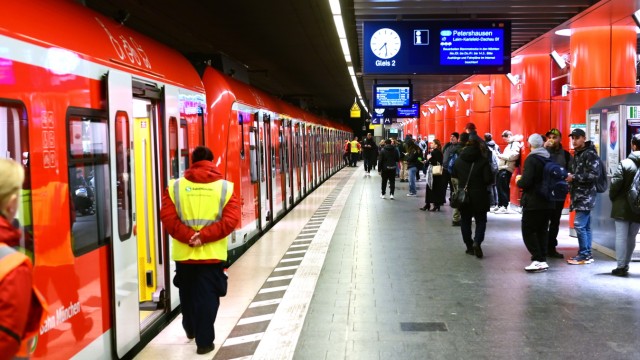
(385,43)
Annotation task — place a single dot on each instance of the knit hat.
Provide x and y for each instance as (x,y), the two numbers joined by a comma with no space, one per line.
(535,140)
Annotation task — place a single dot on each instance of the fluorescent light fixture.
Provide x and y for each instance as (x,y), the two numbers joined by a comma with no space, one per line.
(432,110)
(451,102)
(440,107)
(563,32)
(514,79)
(484,89)
(335,7)
(351,71)
(464,96)
(337,19)
(424,113)
(559,60)
(345,47)
(636,17)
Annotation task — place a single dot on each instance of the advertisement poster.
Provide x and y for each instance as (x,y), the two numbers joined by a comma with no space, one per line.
(613,145)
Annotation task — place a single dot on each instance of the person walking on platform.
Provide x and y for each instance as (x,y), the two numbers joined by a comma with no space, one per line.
(436,191)
(387,165)
(455,154)
(506,166)
(355,152)
(412,158)
(563,158)
(347,152)
(473,172)
(369,152)
(199,211)
(22,308)
(583,174)
(627,222)
(536,210)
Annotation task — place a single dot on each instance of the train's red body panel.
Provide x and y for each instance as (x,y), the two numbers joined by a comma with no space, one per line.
(102,118)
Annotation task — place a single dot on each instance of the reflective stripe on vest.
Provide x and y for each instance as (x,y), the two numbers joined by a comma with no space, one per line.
(199,205)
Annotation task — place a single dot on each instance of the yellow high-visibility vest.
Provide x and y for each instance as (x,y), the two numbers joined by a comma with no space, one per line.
(354,146)
(198,205)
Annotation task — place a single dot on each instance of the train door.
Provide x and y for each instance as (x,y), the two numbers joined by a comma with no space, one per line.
(283,155)
(277,175)
(266,205)
(297,163)
(124,247)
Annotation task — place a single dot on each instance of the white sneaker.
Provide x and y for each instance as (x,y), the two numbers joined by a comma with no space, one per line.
(410,194)
(494,209)
(391,197)
(537,266)
(382,196)
(502,210)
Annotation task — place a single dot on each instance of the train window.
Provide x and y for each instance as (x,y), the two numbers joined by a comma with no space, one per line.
(89,187)
(123,176)
(282,148)
(253,153)
(173,148)
(14,144)
(183,144)
(241,122)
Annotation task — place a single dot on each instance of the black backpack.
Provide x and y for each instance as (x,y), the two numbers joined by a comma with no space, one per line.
(602,183)
(554,186)
(633,196)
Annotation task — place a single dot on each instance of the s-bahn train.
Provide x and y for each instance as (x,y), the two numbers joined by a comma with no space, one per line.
(102,118)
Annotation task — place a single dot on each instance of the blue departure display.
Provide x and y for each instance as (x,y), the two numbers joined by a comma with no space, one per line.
(392,95)
(436,47)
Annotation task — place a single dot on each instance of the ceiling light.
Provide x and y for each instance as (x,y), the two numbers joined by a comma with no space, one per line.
(335,7)
(440,107)
(559,60)
(464,96)
(563,32)
(636,17)
(484,89)
(514,79)
(451,102)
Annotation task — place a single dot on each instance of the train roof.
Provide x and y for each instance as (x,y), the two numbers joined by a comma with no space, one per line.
(66,25)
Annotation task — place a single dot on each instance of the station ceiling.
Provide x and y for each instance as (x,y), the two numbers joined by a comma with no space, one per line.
(290,48)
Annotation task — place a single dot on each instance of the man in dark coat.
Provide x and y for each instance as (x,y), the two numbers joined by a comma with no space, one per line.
(536,210)
(369,152)
(387,165)
(563,158)
(475,179)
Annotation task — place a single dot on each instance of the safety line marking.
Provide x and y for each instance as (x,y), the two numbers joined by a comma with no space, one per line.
(273,289)
(255,319)
(256,304)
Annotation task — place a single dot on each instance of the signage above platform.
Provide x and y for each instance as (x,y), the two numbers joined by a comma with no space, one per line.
(437,47)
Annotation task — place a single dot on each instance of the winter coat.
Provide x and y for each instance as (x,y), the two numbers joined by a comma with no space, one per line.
(620,185)
(437,192)
(448,150)
(200,172)
(561,156)
(585,168)
(413,155)
(369,149)
(531,179)
(478,181)
(388,158)
(507,160)
(17,314)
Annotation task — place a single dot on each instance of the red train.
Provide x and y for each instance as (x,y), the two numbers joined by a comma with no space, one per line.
(102,118)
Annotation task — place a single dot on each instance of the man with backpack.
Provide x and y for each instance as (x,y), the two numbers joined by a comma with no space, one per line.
(536,207)
(584,172)
(562,157)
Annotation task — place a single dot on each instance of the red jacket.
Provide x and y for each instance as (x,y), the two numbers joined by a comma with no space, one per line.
(201,172)
(15,297)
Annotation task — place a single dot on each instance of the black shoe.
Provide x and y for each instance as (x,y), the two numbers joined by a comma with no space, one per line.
(478,251)
(435,208)
(455,223)
(190,336)
(425,208)
(205,349)
(555,254)
(469,251)
(623,271)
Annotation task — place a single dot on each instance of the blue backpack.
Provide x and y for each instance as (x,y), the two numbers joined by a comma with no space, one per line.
(554,186)
(452,160)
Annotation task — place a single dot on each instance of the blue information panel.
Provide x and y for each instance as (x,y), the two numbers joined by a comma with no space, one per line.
(409,112)
(437,47)
(392,95)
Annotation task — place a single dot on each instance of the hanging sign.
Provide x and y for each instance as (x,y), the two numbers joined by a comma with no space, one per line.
(355,110)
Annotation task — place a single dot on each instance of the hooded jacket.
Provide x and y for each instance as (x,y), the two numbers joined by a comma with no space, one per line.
(620,185)
(480,177)
(531,178)
(585,168)
(507,160)
(200,172)
(388,158)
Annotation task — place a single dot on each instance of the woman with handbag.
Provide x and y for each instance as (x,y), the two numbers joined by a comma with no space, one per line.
(473,171)
(437,189)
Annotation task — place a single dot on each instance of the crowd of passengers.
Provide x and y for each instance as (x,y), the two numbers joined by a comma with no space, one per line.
(478,165)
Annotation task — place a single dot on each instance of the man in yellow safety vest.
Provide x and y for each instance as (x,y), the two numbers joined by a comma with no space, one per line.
(199,211)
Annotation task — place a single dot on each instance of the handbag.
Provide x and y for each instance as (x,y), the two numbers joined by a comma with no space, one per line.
(437,169)
(461,197)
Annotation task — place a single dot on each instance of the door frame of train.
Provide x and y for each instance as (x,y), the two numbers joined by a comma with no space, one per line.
(124,254)
(264,176)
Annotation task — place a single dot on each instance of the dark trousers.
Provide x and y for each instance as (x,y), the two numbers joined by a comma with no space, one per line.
(504,179)
(345,158)
(390,175)
(534,232)
(200,287)
(354,159)
(368,163)
(465,226)
(554,227)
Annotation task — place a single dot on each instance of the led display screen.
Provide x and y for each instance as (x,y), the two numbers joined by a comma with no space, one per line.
(437,47)
(412,111)
(387,95)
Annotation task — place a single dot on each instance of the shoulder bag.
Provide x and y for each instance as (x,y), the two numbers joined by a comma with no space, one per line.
(437,169)
(461,197)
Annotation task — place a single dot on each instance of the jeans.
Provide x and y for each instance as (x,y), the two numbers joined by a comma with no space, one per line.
(534,233)
(625,241)
(503,183)
(582,225)
(412,180)
(465,226)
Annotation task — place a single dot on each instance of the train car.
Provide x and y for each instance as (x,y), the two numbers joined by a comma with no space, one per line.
(268,148)
(101,118)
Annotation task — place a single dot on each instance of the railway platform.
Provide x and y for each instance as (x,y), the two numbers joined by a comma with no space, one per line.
(348,275)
